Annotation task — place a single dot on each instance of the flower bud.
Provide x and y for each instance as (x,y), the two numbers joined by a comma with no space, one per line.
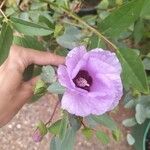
(37,136)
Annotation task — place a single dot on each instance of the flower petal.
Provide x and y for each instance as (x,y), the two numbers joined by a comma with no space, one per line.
(117,90)
(75,104)
(83,105)
(63,77)
(74,56)
(108,61)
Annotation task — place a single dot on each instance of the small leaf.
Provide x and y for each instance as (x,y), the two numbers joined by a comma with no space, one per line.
(38,5)
(75,122)
(46,19)
(40,87)
(63,127)
(133,74)
(129,122)
(69,140)
(130,104)
(91,123)
(48,74)
(146,63)
(55,127)
(55,144)
(6,38)
(58,29)
(56,88)
(87,132)
(70,38)
(104,4)
(116,134)
(42,127)
(29,28)
(103,137)
(130,139)
(106,121)
(140,113)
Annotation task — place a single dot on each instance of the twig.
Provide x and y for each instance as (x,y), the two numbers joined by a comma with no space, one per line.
(83,124)
(2,4)
(89,27)
(92,29)
(51,118)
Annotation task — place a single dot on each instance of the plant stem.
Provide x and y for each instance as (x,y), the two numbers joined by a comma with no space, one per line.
(83,124)
(92,29)
(3,15)
(52,116)
(2,4)
(89,27)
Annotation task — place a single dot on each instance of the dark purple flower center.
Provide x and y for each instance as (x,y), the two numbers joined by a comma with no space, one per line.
(83,80)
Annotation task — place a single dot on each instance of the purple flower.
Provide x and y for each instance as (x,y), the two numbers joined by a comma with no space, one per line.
(92,81)
(37,136)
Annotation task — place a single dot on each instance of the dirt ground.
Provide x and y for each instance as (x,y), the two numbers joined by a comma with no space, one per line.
(17,135)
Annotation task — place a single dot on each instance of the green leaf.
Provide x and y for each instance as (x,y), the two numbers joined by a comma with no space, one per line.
(140,113)
(58,30)
(95,42)
(87,132)
(71,37)
(138,31)
(29,28)
(62,52)
(91,123)
(6,38)
(133,73)
(38,5)
(28,42)
(40,87)
(119,20)
(130,122)
(55,127)
(145,13)
(56,88)
(103,137)
(104,4)
(129,100)
(55,144)
(146,63)
(116,134)
(69,140)
(46,20)
(106,121)
(39,91)
(75,122)
(42,127)
(63,126)
(130,139)
(130,104)
(119,2)
(48,74)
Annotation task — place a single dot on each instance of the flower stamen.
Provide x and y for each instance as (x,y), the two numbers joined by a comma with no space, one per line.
(82,82)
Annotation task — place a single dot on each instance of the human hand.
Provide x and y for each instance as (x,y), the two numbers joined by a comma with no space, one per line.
(14,92)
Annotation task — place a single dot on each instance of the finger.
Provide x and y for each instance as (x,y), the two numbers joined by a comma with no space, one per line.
(30,56)
(44,58)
